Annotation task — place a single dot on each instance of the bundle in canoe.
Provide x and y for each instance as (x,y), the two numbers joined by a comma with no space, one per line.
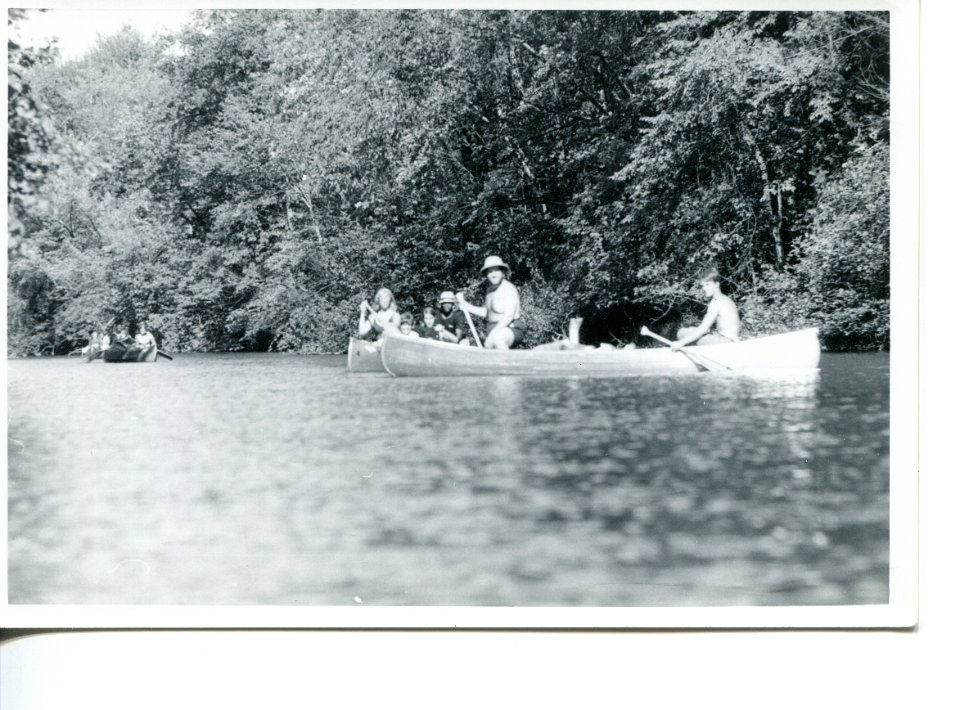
(130,353)
(364,356)
(418,357)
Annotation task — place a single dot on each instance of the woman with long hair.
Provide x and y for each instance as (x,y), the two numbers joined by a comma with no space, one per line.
(379,318)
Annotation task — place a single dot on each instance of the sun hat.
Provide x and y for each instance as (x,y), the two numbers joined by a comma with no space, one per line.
(447,297)
(494,262)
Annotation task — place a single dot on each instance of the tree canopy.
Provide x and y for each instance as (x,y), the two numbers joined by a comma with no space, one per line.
(244,183)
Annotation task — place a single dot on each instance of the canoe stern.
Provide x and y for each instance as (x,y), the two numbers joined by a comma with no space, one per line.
(364,356)
(796,350)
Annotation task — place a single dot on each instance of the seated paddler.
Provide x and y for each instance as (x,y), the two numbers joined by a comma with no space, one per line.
(93,346)
(144,338)
(501,307)
(379,318)
(721,324)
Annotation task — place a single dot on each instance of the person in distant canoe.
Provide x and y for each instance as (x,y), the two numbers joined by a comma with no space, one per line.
(122,336)
(93,346)
(501,306)
(105,340)
(381,317)
(430,329)
(144,338)
(451,319)
(721,324)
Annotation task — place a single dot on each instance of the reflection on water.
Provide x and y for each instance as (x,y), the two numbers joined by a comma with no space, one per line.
(283,480)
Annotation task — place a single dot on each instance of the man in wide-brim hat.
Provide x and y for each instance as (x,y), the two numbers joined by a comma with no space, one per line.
(501,307)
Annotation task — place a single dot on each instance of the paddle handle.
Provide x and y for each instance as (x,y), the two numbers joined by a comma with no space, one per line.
(650,334)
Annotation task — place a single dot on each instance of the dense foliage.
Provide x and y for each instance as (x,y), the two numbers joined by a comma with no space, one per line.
(31,138)
(252,178)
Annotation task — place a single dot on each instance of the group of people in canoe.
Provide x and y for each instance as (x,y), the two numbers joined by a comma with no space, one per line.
(444,322)
(450,321)
(100,342)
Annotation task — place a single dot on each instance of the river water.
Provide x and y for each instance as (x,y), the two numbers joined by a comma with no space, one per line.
(280,479)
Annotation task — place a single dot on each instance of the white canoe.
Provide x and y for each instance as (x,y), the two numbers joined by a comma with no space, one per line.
(364,356)
(403,356)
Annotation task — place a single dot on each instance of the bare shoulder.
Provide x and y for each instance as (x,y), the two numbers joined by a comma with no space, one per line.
(725,302)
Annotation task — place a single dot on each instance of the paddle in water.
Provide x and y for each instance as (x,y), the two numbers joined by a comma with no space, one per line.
(163,354)
(702,362)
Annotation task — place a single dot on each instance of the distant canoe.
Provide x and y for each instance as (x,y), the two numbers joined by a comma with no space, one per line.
(418,357)
(131,353)
(364,356)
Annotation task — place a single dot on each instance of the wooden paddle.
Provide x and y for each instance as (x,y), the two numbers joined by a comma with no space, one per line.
(473,328)
(163,354)
(466,313)
(703,363)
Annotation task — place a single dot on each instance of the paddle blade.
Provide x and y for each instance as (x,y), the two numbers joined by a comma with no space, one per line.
(163,354)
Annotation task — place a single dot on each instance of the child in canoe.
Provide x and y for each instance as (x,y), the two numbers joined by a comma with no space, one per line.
(429,329)
(406,325)
(721,324)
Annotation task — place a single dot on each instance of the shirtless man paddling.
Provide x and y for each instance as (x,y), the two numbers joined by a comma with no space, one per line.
(721,314)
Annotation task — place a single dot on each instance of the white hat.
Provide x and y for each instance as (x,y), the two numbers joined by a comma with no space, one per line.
(494,262)
(447,297)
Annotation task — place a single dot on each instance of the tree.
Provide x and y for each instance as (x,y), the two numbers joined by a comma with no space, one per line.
(32,144)
(252,186)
